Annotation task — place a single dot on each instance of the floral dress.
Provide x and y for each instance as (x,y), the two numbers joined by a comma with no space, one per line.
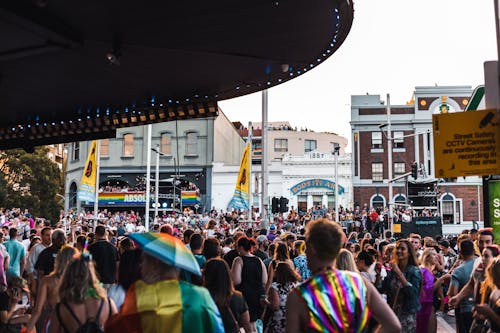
(277,324)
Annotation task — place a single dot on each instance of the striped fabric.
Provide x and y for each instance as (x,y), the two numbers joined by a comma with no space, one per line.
(166,306)
(336,301)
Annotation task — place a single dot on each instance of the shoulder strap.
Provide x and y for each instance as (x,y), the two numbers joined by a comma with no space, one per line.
(96,319)
(72,314)
(58,314)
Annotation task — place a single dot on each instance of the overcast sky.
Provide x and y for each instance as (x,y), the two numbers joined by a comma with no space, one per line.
(393,46)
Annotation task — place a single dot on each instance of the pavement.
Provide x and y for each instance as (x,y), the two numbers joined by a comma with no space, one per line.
(446,324)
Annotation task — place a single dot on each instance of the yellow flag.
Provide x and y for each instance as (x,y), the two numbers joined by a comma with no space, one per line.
(242,190)
(86,191)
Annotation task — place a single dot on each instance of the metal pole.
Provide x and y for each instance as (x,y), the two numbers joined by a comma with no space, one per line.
(389,156)
(98,164)
(250,185)
(174,179)
(148,178)
(337,185)
(157,179)
(265,161)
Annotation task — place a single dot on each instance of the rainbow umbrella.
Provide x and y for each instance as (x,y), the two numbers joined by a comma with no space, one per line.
(167,249)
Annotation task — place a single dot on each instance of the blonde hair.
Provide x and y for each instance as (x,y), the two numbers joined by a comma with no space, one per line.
(345,261)
(426,254)
(64,257)
(80,281)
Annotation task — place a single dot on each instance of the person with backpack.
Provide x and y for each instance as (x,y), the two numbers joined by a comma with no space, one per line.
(83,304)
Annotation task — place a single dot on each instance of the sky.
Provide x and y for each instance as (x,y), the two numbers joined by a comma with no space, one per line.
(393,46)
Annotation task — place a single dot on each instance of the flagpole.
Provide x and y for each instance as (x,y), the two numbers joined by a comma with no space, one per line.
(250,137)
(148,178)
(96,199)
(264,203)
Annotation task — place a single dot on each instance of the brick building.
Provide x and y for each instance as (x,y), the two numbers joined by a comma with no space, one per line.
(457,200)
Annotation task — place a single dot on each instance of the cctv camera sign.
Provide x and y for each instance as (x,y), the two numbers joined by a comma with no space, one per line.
(466,143)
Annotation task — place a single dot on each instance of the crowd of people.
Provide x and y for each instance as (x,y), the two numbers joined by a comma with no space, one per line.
(294,275)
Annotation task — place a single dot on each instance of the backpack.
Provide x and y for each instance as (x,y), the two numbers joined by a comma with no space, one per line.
(88,326)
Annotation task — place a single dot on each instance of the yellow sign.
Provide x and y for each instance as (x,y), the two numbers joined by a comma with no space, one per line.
(466,143)
(396,228)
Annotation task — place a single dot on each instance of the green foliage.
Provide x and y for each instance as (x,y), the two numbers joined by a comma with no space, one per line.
(30,181)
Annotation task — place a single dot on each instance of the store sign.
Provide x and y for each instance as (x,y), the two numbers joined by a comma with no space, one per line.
(315,183)
(466,144)
(127,198)
(494,199)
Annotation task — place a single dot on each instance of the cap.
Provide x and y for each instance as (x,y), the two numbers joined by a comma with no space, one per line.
(272,227)
(261,239)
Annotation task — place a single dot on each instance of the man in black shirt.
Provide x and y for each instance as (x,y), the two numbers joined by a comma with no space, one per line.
(45,263)
(105,257)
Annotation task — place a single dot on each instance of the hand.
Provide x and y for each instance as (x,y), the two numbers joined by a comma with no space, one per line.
(378,268)
(453,301)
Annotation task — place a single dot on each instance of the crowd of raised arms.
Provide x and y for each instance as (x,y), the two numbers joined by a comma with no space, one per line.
(68,276)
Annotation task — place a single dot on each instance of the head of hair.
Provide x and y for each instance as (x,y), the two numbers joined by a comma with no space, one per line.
(63,258)
(426,254)
(366,257)
(79,277)
(228,241)
(487,232)
(126,244)
(414,235)
(100,231)
(325,237)
(445,244)
(127,269)
(167,229)
(58,236)
(382,245)
(466,247)
(281,252)
(285,274)
(45,229)
(217,279)
(187,234)
(493,272)
(211,248)
(300,246)
(246,243)
(196,241)
(33,241)
(345,261)
(13,233)
(429,242)
(495,250)
(412,257)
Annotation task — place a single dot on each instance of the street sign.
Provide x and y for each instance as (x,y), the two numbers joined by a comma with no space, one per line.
(477,100)
(494,206)
(466,143)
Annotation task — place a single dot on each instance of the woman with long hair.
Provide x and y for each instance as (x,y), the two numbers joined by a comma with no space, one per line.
(47,290)
(345,261)
(285,280)
(490,309)
(249,276)
(426,316)
(231,304)
(402,285)
(300,261)
(82,300)
(281,254)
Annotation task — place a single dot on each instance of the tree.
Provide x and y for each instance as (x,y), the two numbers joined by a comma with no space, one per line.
(31,181)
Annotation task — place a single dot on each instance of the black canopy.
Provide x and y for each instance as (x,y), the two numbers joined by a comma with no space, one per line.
(77,70)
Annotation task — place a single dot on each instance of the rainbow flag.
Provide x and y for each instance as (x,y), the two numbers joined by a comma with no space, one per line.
(166,306)
(190,198)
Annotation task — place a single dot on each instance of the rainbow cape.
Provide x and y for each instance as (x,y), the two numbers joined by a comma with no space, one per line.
(166,306)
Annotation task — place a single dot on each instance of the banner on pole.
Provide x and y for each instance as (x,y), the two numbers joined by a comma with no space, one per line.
(241,194)
(87,188)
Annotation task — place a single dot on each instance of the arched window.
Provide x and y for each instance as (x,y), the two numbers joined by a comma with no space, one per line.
(448,208)
(400,199)
(73,188)
(377,201)
(128,144)
(166,143)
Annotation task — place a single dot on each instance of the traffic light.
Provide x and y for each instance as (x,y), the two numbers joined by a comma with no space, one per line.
(283,205)
(414,170)
(275,205)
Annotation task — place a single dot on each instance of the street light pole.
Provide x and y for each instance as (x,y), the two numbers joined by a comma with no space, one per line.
(336,149)
(157,178)
(389,156)
(148,178)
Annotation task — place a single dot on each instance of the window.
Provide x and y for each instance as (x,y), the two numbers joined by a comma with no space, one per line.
(280,145)
(128,144)
(75,153)
(377,172)
(399,168)
(191,143)
(166,144)
(377,140)
(399,140)
(310,145)
(104,148)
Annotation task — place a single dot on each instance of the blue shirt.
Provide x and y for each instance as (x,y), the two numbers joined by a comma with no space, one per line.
(17,253)
(459,278)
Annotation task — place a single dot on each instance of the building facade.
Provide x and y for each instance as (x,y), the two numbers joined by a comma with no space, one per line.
(457,200)
(186,150)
